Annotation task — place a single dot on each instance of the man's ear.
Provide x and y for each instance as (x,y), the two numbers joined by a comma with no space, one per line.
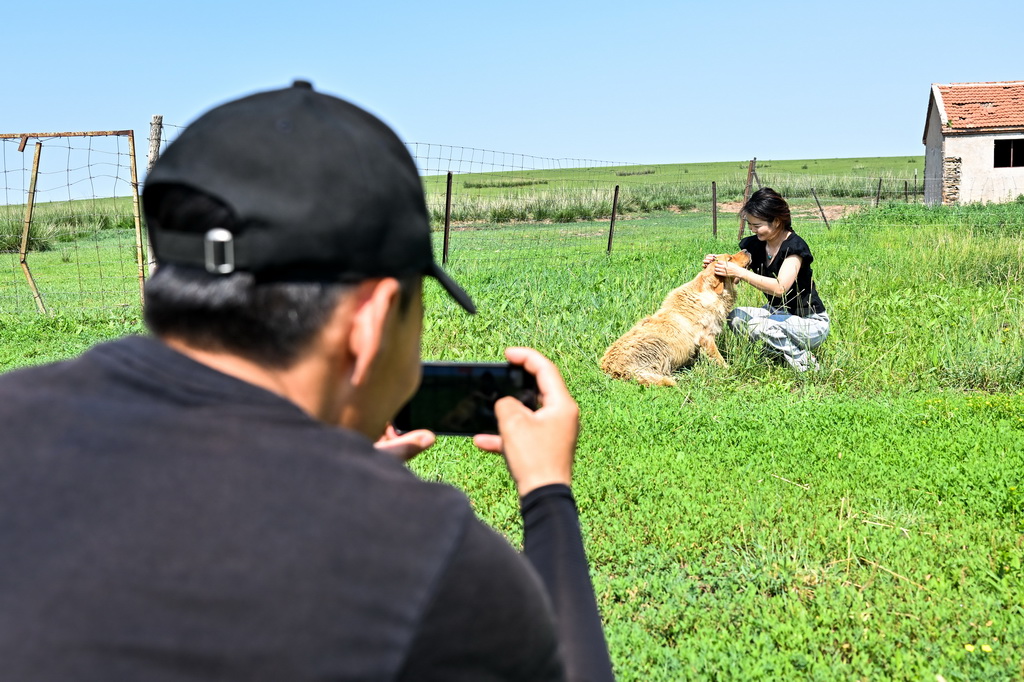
(374,299)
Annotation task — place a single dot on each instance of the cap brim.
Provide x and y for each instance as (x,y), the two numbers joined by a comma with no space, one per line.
(453,289)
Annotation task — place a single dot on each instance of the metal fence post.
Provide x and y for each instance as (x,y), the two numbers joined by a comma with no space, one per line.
(615,209)
(447,219)
(820,209)
(714,209)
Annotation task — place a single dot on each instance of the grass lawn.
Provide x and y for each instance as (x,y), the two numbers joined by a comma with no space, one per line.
(866,522)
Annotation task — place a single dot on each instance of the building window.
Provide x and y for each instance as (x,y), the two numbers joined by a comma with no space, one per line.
(1009,153)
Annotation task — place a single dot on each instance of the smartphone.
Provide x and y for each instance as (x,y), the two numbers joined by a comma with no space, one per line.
(457,398)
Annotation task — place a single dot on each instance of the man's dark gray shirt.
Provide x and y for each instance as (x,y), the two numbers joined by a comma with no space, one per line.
(160,520)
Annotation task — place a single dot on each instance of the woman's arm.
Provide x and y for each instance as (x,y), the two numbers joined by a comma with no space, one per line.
(769,285)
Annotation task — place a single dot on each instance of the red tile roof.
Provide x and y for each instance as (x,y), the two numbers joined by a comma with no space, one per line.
(967,106)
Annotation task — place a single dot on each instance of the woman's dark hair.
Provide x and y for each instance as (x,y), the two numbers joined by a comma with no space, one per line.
(768,205)
(272,323)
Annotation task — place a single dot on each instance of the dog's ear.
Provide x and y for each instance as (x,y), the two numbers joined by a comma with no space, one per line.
(714,282)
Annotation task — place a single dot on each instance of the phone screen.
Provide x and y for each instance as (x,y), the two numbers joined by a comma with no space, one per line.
(457,398)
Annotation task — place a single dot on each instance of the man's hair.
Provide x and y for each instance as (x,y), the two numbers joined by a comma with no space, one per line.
(272,323)
(269,323)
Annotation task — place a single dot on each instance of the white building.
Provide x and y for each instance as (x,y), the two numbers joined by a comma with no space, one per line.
(974,143)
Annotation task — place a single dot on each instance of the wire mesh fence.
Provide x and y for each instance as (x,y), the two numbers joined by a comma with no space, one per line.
(70,231)
(498,205)
(84,251)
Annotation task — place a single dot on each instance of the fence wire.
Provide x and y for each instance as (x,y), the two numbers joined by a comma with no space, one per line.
(484,205)
(79,250)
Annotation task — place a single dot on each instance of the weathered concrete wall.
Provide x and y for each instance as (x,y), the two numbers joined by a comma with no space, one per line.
(933,155)
(979,180)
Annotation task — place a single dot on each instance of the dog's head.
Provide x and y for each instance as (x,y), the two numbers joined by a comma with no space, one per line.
(741,258)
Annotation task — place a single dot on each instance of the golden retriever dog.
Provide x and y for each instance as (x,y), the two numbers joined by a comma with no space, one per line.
(689,319)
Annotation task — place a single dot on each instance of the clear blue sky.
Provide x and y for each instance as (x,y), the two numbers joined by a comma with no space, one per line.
(645,81)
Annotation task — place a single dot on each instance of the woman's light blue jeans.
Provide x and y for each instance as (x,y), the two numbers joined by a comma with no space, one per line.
(789,336)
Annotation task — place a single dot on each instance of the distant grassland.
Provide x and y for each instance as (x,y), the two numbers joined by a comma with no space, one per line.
(567,194)
(866,168)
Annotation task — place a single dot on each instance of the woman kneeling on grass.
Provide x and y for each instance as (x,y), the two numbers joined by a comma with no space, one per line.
(794,321)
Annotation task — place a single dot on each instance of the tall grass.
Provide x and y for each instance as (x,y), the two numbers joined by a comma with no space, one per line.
(831,187)
(57,222)
(581,203)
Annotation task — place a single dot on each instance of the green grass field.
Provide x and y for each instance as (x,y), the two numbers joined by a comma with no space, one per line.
(755,524)
(862,523)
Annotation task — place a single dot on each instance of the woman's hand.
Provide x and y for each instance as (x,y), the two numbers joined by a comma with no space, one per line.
(729,269)
(775,286)
(539,447)
(709,258)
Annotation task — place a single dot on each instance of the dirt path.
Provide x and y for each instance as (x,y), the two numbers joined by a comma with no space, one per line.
(832,212)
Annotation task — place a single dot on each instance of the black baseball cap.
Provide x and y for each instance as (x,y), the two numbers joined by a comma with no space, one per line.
(320,190)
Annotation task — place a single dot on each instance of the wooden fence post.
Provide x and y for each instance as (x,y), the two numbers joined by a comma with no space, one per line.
(878,194)
(29,207)
(746,191)
(156,130)
(137,216)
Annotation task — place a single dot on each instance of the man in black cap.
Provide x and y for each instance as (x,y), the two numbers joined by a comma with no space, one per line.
(226,499)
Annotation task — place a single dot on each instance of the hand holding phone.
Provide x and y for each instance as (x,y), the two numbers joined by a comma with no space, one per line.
(539,446)
(458,398)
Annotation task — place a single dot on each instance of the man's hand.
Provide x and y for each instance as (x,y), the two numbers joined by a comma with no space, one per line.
(538,446)
(405,446)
